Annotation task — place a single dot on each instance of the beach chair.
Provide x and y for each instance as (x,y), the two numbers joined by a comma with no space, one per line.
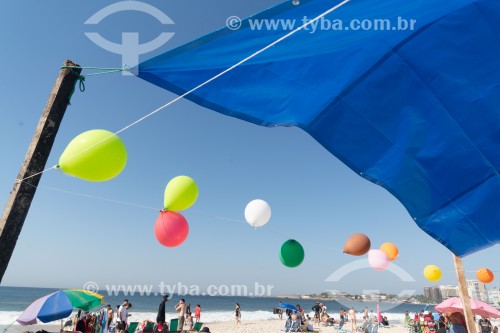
(197,326)
(294,327)
(132,326)
(174,323)
(288,323)
(149,327)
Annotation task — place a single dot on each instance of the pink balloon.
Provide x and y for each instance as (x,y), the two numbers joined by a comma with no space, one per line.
(171,229)
(378,260)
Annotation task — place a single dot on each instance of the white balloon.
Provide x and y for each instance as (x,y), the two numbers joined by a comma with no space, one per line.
(378,260)
(257,213)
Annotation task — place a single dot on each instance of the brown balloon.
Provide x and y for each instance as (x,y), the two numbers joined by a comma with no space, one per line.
(357,245)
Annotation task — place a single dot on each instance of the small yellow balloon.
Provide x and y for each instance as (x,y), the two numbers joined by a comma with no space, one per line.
(432,273)
(181,193)
(96,155)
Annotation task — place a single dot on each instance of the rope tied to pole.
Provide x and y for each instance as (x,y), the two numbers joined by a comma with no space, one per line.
(81,83)
(81,78)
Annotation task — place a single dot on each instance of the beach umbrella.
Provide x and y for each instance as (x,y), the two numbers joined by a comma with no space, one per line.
(59,305)
(287,306)
(411,106)
(454,304)
(379,315)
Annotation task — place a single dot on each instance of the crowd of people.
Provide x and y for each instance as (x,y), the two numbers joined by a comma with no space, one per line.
(117,322)
(423,322)
(109,320)
(320,317)
(427,322)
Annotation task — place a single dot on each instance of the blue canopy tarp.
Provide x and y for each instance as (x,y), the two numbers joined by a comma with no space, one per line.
(415,111)
(287,306)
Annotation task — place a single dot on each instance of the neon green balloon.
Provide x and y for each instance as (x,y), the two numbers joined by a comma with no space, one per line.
(291,253)
(181,193)
(96,155)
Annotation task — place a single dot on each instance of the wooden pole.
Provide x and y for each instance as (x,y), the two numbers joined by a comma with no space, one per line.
(464,295)
(22,194)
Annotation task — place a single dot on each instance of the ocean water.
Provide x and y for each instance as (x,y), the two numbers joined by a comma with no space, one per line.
(13,301)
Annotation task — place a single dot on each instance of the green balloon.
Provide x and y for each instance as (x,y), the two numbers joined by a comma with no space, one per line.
(96,155)
(291,253)
(181,193)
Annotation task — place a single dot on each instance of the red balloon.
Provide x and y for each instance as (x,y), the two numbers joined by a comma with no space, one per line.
(171,229)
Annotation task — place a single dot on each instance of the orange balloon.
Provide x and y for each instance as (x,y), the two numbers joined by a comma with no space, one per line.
(485,275)
(390,249)
(357,245)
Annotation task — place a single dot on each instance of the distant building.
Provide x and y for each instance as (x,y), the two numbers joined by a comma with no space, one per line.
(433,293)
(427,292)
(337,293)
(477,290)
(448,291)
(494,296)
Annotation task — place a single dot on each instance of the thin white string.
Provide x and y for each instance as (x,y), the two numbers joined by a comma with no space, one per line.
(279,40)
(94,197)
(220,218)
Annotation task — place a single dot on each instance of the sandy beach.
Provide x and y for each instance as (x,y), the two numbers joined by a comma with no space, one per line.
(275,326)
(254,326)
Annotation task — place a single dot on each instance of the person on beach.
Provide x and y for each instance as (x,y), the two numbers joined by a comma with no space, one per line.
(279,312)
(189,322)
(110,315)
(365,312)
(188,310)
(457,323)
(366,324)
(237,313)
(342,318)
(406,322)
(484,325)
(317,309)
(295,324)
(414,326)
(197,313)
(122,316)
(441,325)
(352,318)
(181,308)
(129,305)
(288,313)
(160,317)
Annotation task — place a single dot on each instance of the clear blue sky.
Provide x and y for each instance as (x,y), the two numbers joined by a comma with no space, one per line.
(68,239)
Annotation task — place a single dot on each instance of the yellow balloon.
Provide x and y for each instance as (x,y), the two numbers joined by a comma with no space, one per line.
(432,273)
(96,155)
(181,193)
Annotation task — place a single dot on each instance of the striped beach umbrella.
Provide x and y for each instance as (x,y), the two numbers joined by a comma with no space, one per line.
(59,305)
